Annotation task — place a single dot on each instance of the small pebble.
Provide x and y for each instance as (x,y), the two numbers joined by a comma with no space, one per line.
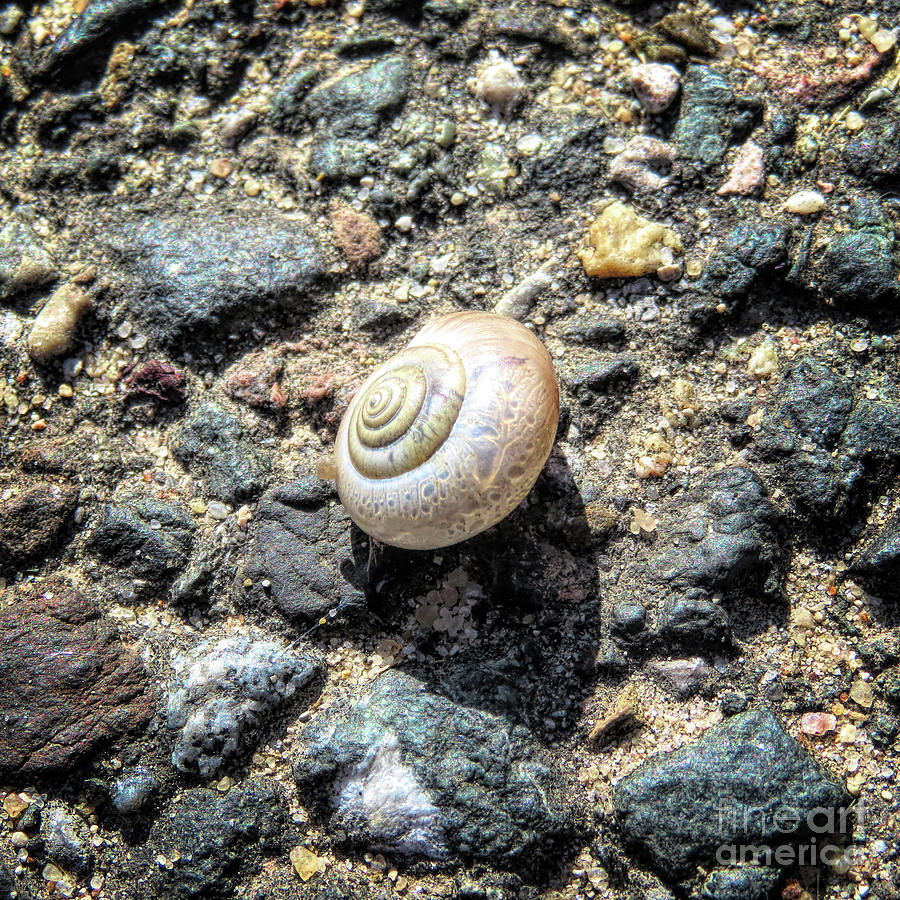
(404,224)
(804,203)
(500,85)
(54,328)
(217,510)
(221,167)
(656,85)
(747,172)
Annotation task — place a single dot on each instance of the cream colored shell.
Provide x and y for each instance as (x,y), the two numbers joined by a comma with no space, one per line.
(476,399)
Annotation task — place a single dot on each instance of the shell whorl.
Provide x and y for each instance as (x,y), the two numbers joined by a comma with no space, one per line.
(448,437)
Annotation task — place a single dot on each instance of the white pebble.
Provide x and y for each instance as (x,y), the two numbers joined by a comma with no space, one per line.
(217,510)
(500,85)
(656,85)
(804,203)
(404,224)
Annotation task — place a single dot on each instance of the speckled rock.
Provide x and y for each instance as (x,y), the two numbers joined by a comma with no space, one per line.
(860,266)
(213,442)
(212,839)
(683,809)
(146,539)
(702,129)
(722,535)
(828,448)
(408,771)
(24,261)
(742,883)
(69,686)
(353,102)
(306,550)
(34,516)
(223,693)
(184,277)
(656,85)
(67,840)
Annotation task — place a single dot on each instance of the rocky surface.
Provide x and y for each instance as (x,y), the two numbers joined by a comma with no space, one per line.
(216,219)
(745,782)
(222,693)
(69,686)
(211,841)
(407,771)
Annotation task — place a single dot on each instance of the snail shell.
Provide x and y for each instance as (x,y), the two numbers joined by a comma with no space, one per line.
(447,437)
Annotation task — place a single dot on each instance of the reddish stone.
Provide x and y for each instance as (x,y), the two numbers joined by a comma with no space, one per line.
(257,382)
(806,75)
(155,378)
(68,686)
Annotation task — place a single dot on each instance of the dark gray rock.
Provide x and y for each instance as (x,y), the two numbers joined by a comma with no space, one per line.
(33,521)
(858,266)
(203,269)
(133,790)
(741,883)
(828,451)
(750,250)
(287,105)
(880,559)
(353,102)
(722,535)
(374,315)
(97,25)
(306,550)
(67,841)
(699,623)
(873,155)
(68,686)
(223,694)
(592,328)
(24,262)
(147,539)
(703,125)
(744,782)
(410,772)
(627,620)
(599,373)
(570,158)
(213,441)
(213,840)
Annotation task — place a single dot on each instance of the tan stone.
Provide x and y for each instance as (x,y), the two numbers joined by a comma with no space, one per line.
(624,244)
(306,864)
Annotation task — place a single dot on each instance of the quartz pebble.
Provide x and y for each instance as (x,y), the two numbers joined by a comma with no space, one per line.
(656,85)
(500,85)
(634,166)
(804,203)
(747,171)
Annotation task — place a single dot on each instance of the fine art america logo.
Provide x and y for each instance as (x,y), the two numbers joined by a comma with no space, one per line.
(788,836)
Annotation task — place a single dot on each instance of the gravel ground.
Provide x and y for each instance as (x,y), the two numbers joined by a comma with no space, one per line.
(217,218)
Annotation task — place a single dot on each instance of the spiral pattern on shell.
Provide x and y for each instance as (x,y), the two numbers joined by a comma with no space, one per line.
(447,437)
